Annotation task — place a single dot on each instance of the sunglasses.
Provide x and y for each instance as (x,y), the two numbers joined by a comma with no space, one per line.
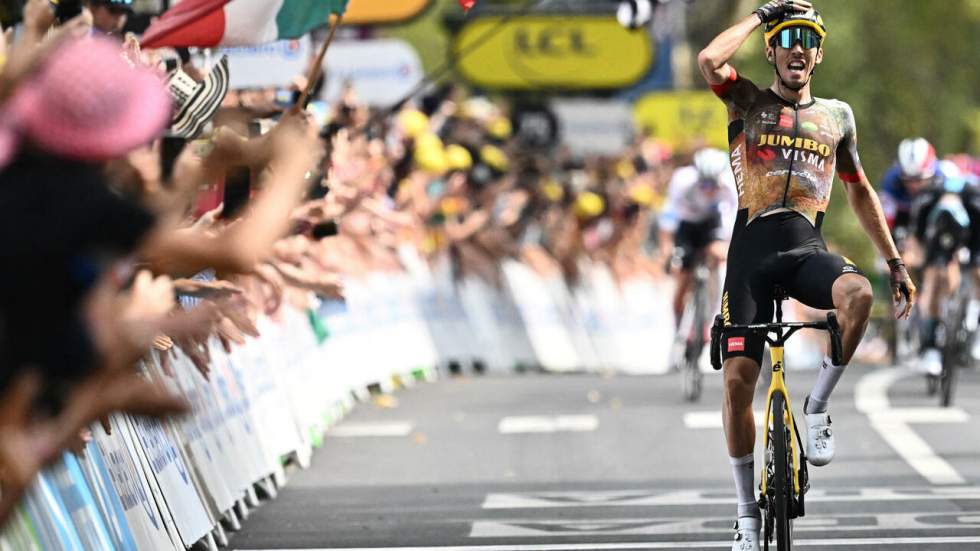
(786,38)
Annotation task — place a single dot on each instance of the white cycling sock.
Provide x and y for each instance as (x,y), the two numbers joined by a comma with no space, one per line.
(743,469)
(827,379)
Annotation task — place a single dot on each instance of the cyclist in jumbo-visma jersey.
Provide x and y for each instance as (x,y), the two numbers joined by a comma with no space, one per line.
(785,147)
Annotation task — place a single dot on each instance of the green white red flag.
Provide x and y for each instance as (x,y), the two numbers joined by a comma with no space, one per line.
(207,23)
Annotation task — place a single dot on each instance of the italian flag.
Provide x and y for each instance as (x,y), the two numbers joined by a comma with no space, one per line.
(207,23)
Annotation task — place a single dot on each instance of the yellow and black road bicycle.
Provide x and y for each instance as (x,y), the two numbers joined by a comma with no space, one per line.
(784,476)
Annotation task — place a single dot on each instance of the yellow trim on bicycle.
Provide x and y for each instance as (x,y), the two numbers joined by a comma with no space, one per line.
(778,384)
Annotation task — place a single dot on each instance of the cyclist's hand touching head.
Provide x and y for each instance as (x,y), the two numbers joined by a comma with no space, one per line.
(902,287)
(773,10)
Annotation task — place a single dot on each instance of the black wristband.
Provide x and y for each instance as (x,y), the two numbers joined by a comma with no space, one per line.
(895,263)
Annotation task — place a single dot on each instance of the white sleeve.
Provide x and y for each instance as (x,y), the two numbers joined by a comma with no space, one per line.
(728,206)
(669,218)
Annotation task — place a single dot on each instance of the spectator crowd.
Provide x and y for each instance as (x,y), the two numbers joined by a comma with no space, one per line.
(146,209)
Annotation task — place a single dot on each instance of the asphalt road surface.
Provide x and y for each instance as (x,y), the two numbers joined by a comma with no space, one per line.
(580,462)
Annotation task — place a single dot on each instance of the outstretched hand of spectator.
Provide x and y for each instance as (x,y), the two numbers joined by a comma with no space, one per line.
(35,42)
(207,289)
(24,450)
(38,17)
(197,352)
(270,288)
(238,310)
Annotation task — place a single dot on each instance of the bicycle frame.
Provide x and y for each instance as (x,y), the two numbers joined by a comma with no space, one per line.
(788,506)
(778,384)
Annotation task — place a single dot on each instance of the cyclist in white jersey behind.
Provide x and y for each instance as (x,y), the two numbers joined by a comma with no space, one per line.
(697,219)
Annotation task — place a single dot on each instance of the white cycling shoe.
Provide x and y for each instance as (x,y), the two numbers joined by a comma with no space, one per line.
(820,446)
(746,537)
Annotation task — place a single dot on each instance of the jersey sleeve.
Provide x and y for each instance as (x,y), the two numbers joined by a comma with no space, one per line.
(891,196)
(727,206)
(738,93)
(848,162)
(669,218)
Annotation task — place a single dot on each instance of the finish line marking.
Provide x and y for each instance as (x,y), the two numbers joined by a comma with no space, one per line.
(835,542)
(659,528)
(892,424)
(647,498)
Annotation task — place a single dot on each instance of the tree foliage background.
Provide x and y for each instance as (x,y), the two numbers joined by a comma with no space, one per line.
(907,67)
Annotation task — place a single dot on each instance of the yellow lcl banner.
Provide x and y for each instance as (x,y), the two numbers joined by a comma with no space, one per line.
(557,52)
(683,119)
(368,12)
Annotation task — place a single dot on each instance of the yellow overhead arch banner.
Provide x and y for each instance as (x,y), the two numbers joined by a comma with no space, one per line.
(555,51)
(369,12)
(683,119)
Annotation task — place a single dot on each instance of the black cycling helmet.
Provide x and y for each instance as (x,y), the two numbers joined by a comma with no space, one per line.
(810,18)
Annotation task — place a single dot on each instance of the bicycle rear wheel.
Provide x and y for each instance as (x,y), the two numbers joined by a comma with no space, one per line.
(782,480)
(947,377)
(691,377)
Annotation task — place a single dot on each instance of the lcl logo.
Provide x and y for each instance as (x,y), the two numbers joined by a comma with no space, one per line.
(556,41)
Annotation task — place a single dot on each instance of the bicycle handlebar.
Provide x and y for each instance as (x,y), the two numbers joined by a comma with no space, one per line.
(718,330)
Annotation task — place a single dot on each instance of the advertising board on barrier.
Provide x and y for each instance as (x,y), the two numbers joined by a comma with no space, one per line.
(381,72)
(135,495)
(684,118)
(558,51)
(162,460)
(368,12)
(274,64)
(594,127)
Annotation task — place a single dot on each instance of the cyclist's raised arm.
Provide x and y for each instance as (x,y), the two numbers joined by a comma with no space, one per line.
(736,91)
(713,59)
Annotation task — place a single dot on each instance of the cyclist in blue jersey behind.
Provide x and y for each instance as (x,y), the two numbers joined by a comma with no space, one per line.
(944,219)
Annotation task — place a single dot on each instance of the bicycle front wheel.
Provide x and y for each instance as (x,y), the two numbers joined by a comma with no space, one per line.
(691,380)
(954,345)
(782,480)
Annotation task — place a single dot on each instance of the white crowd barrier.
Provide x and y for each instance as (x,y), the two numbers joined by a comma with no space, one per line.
(151,485)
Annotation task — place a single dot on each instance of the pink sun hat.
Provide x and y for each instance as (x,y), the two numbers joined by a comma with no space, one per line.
(85,102)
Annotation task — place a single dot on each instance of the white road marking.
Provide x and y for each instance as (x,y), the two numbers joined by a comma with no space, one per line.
(550,423)
(641,498)
(829,542)
(883,522)
(712,419)
(923,415)
(871,391)
(353,430)
(871,398)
